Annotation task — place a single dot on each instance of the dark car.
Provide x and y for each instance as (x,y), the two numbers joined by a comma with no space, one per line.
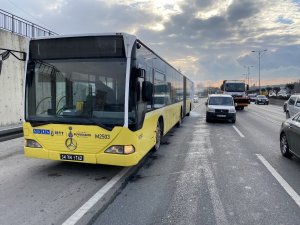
(290,137)
(252,97)
(261,99)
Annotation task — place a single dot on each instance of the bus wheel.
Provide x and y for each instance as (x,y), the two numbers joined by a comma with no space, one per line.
(158,136)
(190,110)
(180,119)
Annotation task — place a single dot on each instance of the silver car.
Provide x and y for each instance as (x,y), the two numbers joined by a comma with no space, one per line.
(290,137)
(293,106)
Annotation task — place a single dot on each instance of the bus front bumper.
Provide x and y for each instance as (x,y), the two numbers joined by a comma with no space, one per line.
(101,158)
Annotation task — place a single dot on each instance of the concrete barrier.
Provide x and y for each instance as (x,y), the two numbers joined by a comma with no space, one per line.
(12,80)
(274,101)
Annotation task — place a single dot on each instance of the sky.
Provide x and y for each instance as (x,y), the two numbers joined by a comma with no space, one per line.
(208,40)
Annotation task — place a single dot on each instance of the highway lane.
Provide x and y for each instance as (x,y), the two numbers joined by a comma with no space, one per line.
(36,191)
(203,174)
(266,140)
(211,173)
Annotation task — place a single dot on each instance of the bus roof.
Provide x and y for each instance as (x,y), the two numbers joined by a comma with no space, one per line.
(83,35)
(130,36)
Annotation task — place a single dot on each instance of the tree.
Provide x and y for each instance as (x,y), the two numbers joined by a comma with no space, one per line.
(290,86)
(276,89)
(222,87)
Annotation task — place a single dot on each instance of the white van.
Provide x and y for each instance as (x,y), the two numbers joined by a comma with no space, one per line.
(220,107)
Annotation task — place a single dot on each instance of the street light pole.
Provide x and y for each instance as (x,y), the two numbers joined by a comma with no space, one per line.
(259,54)
(248,74)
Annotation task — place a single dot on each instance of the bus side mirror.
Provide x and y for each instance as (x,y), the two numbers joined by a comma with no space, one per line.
(206,103)
(247,87)
(0,66)
(138,72)
(147,90)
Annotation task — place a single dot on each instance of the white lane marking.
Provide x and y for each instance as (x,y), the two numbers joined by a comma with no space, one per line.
(239,132)
(281,181)
(94,199)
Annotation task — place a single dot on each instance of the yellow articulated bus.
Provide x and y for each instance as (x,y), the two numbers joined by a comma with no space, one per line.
(95,99)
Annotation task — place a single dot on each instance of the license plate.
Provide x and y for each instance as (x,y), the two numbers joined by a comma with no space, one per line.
(71,157)
(221,115)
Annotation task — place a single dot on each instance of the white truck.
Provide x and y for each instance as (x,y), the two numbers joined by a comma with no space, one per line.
(237,89)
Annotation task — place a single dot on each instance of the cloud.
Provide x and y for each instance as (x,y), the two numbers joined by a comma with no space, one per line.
(206,39)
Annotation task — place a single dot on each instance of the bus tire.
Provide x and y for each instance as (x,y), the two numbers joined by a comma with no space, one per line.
(178,124)
(158,136)
(188,114)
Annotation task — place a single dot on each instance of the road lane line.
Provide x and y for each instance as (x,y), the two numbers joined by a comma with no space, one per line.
(281,181)
(94,199)
(239,132)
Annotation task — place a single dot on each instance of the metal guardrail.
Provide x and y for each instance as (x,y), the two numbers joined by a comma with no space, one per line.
(11,133)
(15,24)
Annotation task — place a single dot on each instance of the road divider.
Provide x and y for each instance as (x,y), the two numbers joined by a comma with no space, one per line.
(11,133)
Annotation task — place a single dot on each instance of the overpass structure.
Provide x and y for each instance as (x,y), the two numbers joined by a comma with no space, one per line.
(15,33)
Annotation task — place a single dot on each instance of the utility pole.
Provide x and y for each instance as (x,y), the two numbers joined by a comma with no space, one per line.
(248,74)
(259,54)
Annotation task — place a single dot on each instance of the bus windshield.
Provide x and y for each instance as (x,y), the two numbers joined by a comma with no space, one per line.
(76,91)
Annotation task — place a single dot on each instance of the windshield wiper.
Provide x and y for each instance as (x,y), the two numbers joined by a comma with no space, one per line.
(90,121)
(99,124)
(38,123)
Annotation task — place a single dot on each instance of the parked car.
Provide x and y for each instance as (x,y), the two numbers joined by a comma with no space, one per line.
(282,93)
(290,136)
(220,107)
(293,105)
(196,99)
(261,99)
(252,97)
(272,94)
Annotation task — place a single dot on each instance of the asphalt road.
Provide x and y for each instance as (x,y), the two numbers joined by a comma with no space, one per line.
(204,173)
(214,173)
(36,191)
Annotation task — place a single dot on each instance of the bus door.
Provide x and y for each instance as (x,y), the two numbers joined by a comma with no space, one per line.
(184,97)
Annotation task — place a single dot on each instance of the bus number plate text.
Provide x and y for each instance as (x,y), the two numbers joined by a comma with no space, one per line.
(71,157)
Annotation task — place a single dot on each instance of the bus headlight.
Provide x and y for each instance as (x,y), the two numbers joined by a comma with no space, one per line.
(120,149)
(32,143)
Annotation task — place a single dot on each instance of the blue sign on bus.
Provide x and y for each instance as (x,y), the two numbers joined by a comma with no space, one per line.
(41,131)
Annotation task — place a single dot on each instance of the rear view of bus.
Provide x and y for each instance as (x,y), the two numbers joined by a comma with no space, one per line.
(84,103)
